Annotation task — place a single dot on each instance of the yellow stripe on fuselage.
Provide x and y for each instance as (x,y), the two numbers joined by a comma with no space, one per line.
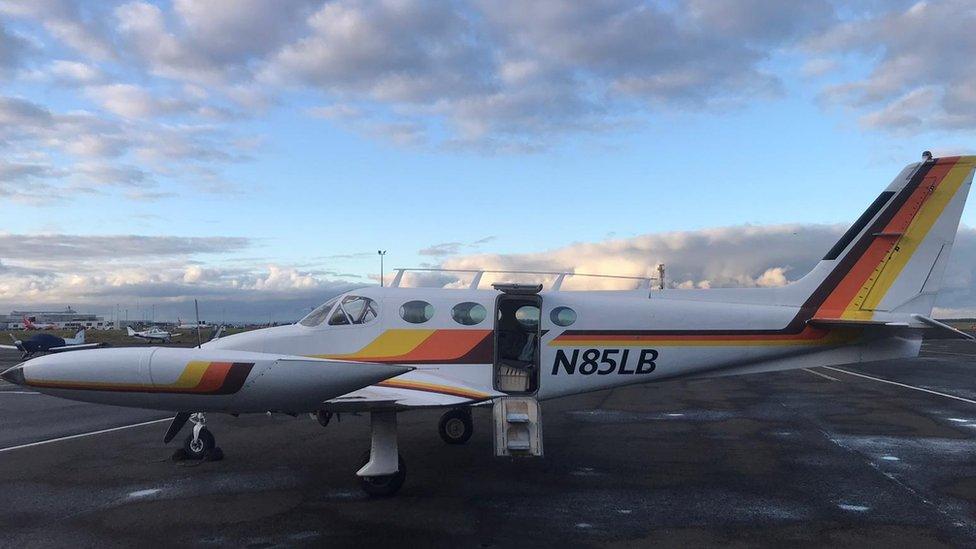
(389,343)
(898,257)
(191,375)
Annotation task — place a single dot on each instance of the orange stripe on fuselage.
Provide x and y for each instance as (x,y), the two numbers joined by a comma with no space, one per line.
(213,377)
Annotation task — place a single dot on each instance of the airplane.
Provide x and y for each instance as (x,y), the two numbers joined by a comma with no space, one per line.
(180,325)
(387,350)
(29,324)
(154,333)
(47,343)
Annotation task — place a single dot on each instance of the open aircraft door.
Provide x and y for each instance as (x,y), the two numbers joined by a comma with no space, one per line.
(518,418)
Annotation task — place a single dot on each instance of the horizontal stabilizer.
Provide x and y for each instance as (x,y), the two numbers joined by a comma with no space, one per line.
(850,323)
(943,328)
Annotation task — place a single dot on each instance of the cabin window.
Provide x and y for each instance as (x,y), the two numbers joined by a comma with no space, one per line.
(354,309)
(416,312)
(563,316)
(469,313)
(317,316)
(528,316)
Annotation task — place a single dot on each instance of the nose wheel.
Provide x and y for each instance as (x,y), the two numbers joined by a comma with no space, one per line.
(456,426)
(200,444)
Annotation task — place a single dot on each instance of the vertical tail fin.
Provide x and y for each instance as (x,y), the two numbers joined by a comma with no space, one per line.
(893,258)
(130,331)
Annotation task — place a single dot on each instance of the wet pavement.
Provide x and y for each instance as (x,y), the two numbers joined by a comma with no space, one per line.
(806,458)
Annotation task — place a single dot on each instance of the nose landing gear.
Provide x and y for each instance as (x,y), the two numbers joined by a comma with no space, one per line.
(200,444)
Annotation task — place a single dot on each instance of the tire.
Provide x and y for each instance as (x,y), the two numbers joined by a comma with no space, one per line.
(385,485)
(205,445)
(455,426)
(323,417)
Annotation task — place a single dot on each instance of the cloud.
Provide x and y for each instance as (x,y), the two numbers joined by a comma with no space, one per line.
(740,256)
(923,76)
(58,247)
(99,271)
(453,248)
(445,248)
(13,49)
(78,25)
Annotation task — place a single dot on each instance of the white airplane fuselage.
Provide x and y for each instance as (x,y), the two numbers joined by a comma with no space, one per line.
(619,338)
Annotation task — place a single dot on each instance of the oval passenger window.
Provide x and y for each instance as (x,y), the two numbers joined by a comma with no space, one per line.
(416,312)
(528,316)
(469,313)
(562,316)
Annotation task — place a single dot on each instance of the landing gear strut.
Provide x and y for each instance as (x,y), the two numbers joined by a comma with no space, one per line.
(199,444)
(455,426)
(384,471)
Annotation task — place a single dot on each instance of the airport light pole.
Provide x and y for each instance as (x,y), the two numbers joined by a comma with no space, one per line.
(381,253)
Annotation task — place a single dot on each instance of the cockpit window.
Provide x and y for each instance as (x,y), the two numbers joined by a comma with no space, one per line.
(354,309)
(317,316)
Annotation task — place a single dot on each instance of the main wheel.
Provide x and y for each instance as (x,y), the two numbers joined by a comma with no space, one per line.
(385,485)
(455,426)
(201,447)
(323,417)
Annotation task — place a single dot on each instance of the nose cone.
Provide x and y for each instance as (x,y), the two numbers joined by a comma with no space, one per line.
(15,375)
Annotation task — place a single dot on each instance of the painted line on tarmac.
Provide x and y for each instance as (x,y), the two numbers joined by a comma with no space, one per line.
(4,392)
(923,354)
(930,391)
(808,370)
(80,435)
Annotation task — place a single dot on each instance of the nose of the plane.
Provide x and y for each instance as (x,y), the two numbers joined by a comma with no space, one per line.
(14,375)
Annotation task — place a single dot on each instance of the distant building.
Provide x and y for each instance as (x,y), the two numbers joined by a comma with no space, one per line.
(67,318)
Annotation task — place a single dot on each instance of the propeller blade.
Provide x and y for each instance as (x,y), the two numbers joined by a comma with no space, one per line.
(14,339)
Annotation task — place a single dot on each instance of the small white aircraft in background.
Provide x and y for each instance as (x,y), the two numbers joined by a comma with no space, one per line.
(154,333)
(180,325)
(384,350)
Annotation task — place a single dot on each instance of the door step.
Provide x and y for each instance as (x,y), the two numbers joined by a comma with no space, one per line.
(518,426)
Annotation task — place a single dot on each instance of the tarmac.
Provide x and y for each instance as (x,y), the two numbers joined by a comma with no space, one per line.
(873,455)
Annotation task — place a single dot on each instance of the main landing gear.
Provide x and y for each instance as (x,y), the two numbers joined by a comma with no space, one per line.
(384,471)
(455,426)
(200,444)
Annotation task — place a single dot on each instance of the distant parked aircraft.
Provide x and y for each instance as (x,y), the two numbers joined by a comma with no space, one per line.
(152,334)
(47,343)
(180,325)
(29,324)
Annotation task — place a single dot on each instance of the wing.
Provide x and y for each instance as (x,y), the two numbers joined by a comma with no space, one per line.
(64,348)
(416,389)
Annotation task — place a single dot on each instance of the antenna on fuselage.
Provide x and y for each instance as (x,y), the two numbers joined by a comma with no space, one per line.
(196,309)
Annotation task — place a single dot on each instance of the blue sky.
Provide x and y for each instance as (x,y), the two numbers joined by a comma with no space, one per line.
(312,133)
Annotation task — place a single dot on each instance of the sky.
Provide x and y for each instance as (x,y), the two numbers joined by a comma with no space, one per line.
(255,154)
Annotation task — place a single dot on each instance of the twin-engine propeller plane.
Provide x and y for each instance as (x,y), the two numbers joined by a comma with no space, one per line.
(387,350)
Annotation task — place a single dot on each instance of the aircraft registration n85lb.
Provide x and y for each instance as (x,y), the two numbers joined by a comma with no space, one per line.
(384,350)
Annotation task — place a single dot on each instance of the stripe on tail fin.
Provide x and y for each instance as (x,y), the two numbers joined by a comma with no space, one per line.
(897,251)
